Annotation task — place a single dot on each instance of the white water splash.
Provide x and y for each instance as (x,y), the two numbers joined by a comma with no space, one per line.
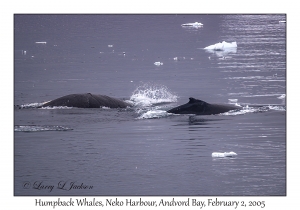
(31,105)
(277,108)
(248,109)
(147,95)
(244,110)
(152,114)
(37,105)
(233,100)
(56,107)
(281,97)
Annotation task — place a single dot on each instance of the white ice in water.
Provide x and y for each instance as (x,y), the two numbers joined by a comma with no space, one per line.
(221,46)
(158,63)
(195,25)
(223,154)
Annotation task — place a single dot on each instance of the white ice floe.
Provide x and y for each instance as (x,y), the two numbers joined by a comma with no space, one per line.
(158,63)
(221,46)
(223,154)
(195,25)
(41,42)
(222,55)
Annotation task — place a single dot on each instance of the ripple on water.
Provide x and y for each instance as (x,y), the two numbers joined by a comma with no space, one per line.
(36,128)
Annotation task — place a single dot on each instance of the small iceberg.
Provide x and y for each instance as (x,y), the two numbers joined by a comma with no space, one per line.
(223,55)
(223,154)
(195,25)
(158,63)
(221,46)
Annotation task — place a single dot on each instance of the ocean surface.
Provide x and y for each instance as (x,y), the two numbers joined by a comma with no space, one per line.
(155,63)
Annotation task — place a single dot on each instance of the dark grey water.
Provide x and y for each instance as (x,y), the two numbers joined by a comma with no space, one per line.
(143,150)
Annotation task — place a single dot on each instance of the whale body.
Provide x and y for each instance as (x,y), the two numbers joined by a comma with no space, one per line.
(198,107)
(87,100)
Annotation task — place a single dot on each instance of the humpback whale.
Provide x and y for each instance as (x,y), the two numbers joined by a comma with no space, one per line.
(198,107)
(87,100)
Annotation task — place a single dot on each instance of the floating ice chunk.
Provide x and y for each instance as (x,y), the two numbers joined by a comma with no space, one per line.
(110,45)
(221,46)
(195,25)
(222,54)
(225,154)
(158,63)
(41,42)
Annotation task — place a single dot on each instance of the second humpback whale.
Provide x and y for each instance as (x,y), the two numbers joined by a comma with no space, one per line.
(198,107)
(87,100)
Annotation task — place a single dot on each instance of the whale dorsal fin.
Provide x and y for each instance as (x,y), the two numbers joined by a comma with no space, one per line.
(193,100)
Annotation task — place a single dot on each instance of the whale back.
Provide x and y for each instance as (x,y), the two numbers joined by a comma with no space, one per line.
(199,107)
(87,100)
(106,101)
